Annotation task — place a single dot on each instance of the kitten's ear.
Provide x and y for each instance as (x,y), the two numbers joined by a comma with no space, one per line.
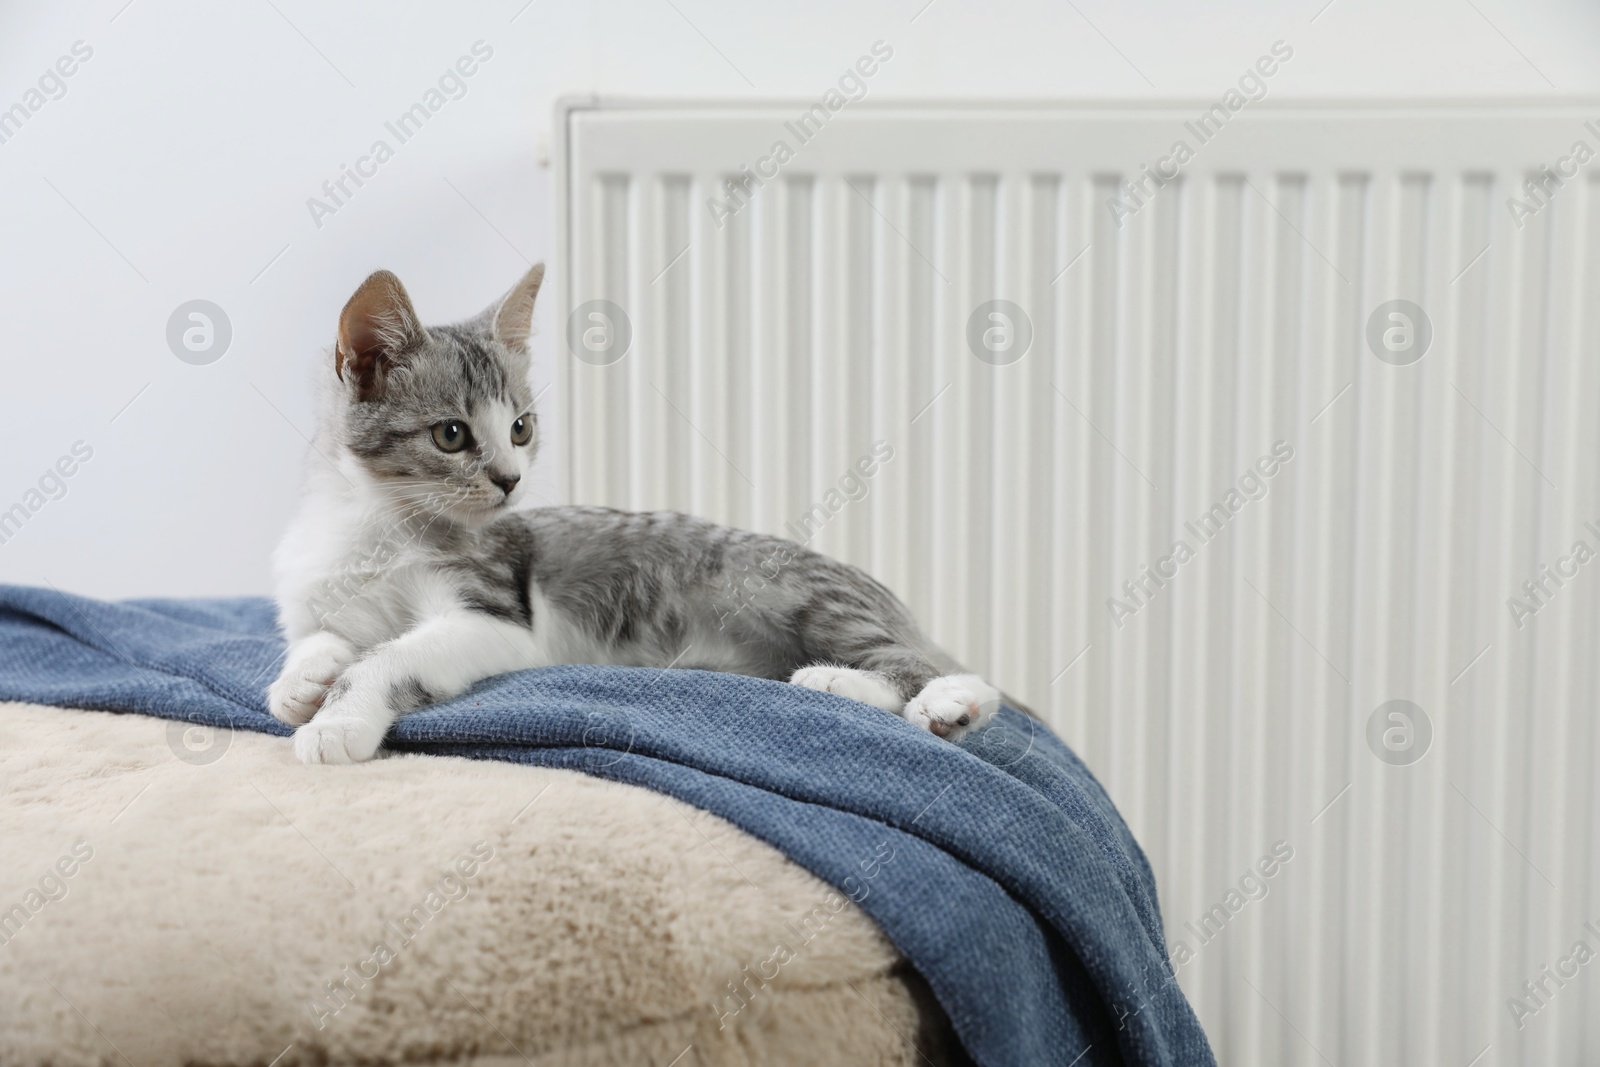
(513,319)
(376,328)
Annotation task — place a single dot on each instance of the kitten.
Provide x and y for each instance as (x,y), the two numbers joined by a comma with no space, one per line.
(407,575)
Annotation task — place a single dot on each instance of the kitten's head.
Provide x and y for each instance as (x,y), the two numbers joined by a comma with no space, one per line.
(440,417)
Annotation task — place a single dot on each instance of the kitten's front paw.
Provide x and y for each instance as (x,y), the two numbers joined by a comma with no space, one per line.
(865,686)
(953,705)
(332,738)
(309,672)
(293,699)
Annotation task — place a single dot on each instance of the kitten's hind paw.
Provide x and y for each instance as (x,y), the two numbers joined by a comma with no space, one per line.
(865,686)
(953,705)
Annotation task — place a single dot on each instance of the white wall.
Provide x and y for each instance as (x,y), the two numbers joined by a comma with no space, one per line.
(179,162)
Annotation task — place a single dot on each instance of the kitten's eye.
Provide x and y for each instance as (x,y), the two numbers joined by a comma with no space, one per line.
(451,435)
(522,430)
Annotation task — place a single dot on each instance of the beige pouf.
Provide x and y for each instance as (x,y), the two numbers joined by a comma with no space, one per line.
(175,896)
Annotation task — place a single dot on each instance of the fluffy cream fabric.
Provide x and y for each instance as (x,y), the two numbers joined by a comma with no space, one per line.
(220,901)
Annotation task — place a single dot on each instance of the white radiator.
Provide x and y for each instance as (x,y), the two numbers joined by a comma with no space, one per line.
(1230,701)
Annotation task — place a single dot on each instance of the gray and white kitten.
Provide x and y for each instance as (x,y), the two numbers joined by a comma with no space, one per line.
(407,575)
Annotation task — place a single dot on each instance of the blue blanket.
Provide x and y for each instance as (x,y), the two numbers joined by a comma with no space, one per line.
(997,866)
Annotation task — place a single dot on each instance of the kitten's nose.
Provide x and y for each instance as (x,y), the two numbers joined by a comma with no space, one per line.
(506,482)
